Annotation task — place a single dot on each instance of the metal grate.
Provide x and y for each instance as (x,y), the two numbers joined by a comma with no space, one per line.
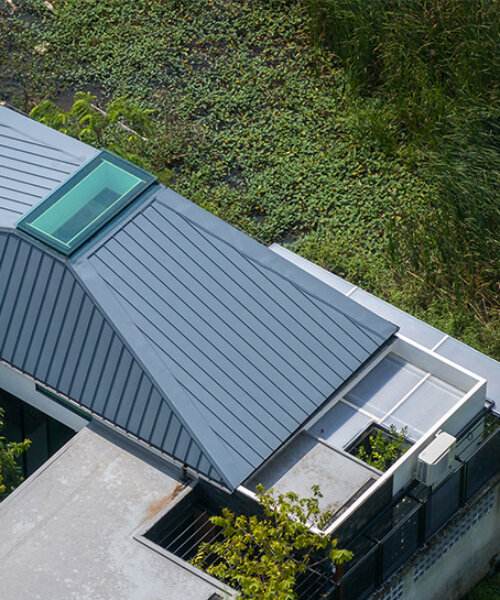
(183,529)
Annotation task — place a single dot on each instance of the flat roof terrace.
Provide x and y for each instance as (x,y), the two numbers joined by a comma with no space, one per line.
(70,530)
(405,386)
(394,393)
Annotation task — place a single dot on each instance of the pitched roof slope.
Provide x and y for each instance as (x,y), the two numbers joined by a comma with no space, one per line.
(169,323)
(51,329)
(34,160)
(255,344)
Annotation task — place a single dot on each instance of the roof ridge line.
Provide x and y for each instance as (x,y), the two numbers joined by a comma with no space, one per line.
(221,462)
(240,242)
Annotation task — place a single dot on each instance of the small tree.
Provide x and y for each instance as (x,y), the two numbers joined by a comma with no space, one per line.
(10,472)
(384,449)
(124,128)
(86,122)
(262,556)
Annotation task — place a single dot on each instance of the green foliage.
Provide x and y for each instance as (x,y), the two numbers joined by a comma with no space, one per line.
(262,557)
(424,85)
(90,125)
(383,449)
(10,472)
(261,127)
(121,128)
(421,55)
(487,589)
(451,241)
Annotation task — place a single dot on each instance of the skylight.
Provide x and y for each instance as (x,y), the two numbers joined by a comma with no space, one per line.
(85,202)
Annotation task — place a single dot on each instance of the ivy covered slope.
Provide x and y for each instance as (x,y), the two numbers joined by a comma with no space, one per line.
(253,122)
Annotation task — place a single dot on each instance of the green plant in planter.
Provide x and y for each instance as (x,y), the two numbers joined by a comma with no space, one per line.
(382,449)
(263,556)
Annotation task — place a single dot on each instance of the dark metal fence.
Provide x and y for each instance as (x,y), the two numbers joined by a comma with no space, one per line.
(187,526)
(382,539)
(382,547)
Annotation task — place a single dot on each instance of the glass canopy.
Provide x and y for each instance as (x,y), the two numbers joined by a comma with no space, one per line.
(85,202)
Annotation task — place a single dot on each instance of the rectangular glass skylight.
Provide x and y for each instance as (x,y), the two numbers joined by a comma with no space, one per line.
(85,202)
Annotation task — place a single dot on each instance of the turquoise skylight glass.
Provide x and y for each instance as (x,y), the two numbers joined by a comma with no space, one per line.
(85,202)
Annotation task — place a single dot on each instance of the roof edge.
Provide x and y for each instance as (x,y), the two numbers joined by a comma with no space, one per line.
(160,375)
(277,264)
(79,150)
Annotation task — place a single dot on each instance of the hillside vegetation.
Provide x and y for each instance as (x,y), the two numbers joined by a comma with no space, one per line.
(364,135)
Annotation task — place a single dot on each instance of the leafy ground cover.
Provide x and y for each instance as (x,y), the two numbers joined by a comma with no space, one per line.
(253,122)
(487,589)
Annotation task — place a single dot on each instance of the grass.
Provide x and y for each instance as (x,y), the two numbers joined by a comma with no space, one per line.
(254,123)
(487,589)
(424,82)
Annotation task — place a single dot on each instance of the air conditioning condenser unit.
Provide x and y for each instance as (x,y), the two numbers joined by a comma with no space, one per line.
(435,461)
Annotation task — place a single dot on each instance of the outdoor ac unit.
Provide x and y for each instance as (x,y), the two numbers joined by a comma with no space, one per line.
(434,462)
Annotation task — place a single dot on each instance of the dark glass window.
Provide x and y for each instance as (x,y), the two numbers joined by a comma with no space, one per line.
(21,421)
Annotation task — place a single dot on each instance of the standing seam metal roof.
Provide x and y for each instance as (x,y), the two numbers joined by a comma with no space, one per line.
(255,345)
(34,160)
(51,329)
(183,331)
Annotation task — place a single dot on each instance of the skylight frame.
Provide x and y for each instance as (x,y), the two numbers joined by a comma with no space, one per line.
(61,197)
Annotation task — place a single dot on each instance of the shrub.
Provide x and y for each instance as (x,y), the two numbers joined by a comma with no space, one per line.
(10,471)
(262,557)
(383,449)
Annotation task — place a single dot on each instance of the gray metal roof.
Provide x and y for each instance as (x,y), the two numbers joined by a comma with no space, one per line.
(255,344)
(51,329)
(34,159)
(410,326)
(181,330)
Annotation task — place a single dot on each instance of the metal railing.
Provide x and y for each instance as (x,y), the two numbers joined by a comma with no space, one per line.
(383,545)
(397,533)
(188,526)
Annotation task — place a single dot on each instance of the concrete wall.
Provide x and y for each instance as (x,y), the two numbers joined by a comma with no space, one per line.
(456,558)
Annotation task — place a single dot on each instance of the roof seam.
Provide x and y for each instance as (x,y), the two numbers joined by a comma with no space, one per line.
(202,386)
(61,328)
(276,257)
(113,377)
(42,187)
(204,235)
(146,407)
(227,477)
(37,319)
(31,174)
(124,386)
(15,301)
(218,333)
(73,329)
(319,301)
(15,201)
(18,160)
(265,309)
(93,357)
(25,193)
(82,346)
(37,273)
(44,146)
(9,239)
(309,298)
